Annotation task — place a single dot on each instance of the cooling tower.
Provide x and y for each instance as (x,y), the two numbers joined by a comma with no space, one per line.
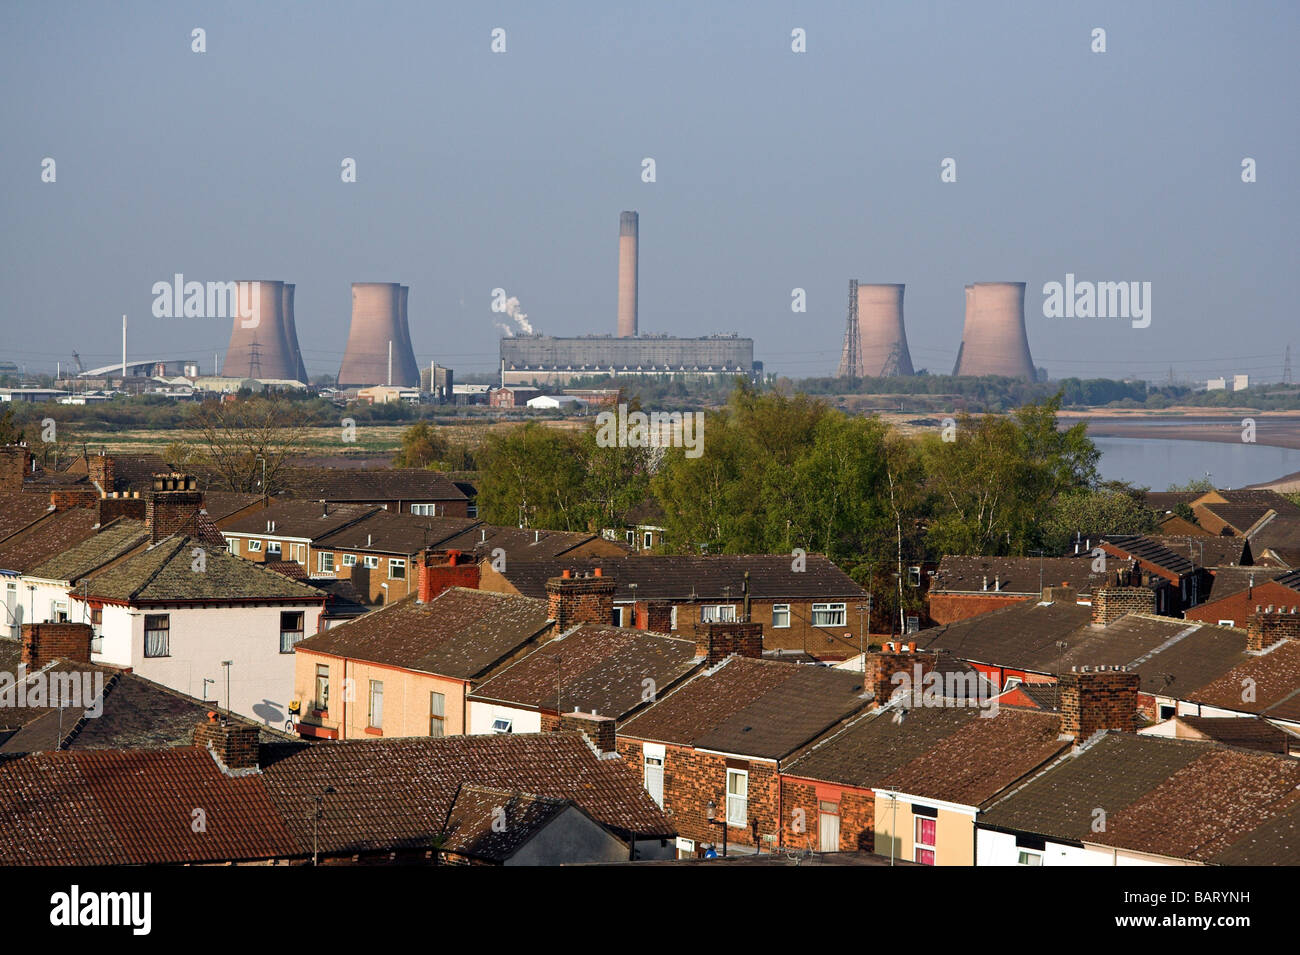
(268,348)
(377,321)
(993,341)
(410,369)
(290,332)
(628,227)
(881,347)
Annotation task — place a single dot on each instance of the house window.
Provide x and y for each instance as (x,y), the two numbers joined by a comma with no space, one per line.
(157,634)
(97,616)
(780,616)
(272,548)
(685,848)
(1227,623)
(828,826)
(654,777)
(672,622)
(503,725)
(325,562)
(254,547)
(619,616)
(396,569)
(370,562)
(1029,858)
(437,714)
(914,576)
(924,846)
(718,613)
(232,545)
(349,560)
(737,797)
(376,716)
(471,510)
(298,552)
(423,509)
(322,687)
(1168,710)
(828,615)
(648,540)
(290,629)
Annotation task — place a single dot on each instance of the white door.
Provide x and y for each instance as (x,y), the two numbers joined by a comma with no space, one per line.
(828,833)
(654,779)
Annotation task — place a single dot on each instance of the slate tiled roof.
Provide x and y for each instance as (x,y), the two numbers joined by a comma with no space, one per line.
(1023,635)
(706,578)
(1150,552)
(1207,551)
(220,505)
(308,520)
(119,537)
(1239,517)
(1241,731)
(50,536)
(165,574)
(1276,841)
(598,669)
(752,707)
(1014,575)
(380,484)
(519,543)
(461,633)
(1273,678)
(389,533)
(398,792)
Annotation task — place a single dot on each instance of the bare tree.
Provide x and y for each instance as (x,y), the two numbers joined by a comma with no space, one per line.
(246,444)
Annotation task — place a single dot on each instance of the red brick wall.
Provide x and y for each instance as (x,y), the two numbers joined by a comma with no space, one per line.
(1265,628)
(102,470)
(14,463)
(1238,607)
(692,778)
(856,812)
(575,600)
(436,578)
(717,641)
(235,744)
(1111,603)
(43,642)
(111,508)
(949,608)
(882,666)
(166,511)
(68,499)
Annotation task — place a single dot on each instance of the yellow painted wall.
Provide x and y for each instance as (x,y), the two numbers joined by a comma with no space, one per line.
(406,698)
(954,833)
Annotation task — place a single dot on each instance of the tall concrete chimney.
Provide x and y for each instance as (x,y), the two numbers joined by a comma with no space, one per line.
(628,227)
(993,340)
(881,347)
(377,320)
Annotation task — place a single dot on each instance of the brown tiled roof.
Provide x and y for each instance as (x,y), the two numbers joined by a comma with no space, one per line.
(165,573)
(1276,841)
(1262,498)
(461,633)
(1227,581)
(1203,808)
(752,707)
(597,668)
(1273,678)
(222,504)
(1014,575)
(389,533)
(1208,551)
(1202,655)
(519,543)
(133,807)
(706,578)
(1240,517)
(1280,535)
(308,520)
(1168,500)
(1242,731)
(288,568)
(119,537)
(19,509)
(48,538)
(392,793)
(379,484)
(493,824)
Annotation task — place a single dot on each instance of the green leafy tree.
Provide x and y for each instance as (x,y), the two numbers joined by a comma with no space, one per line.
(422,447)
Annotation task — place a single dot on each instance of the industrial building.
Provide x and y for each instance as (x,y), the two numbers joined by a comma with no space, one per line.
(379,348)
(267,346)
(557,361)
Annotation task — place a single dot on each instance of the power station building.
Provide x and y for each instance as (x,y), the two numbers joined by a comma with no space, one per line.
(557,361)
(993,340)
(875,342)
(379,348)
(264,342)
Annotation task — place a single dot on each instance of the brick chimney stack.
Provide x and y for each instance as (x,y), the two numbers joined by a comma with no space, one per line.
(895,658)
(599,730)
(1064,594)
(438,575)
(657,617)
(46,642)
(174,499)
(573,600)
(719,640)
(103,471)
(234,744)
(117,504)
(15,461)
(1266,627)
(1123,594)
(1098,699)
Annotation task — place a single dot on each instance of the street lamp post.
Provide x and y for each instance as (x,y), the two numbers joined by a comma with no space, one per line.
(711,812)
(315,820)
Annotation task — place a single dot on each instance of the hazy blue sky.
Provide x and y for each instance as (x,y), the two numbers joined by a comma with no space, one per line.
(775,170)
